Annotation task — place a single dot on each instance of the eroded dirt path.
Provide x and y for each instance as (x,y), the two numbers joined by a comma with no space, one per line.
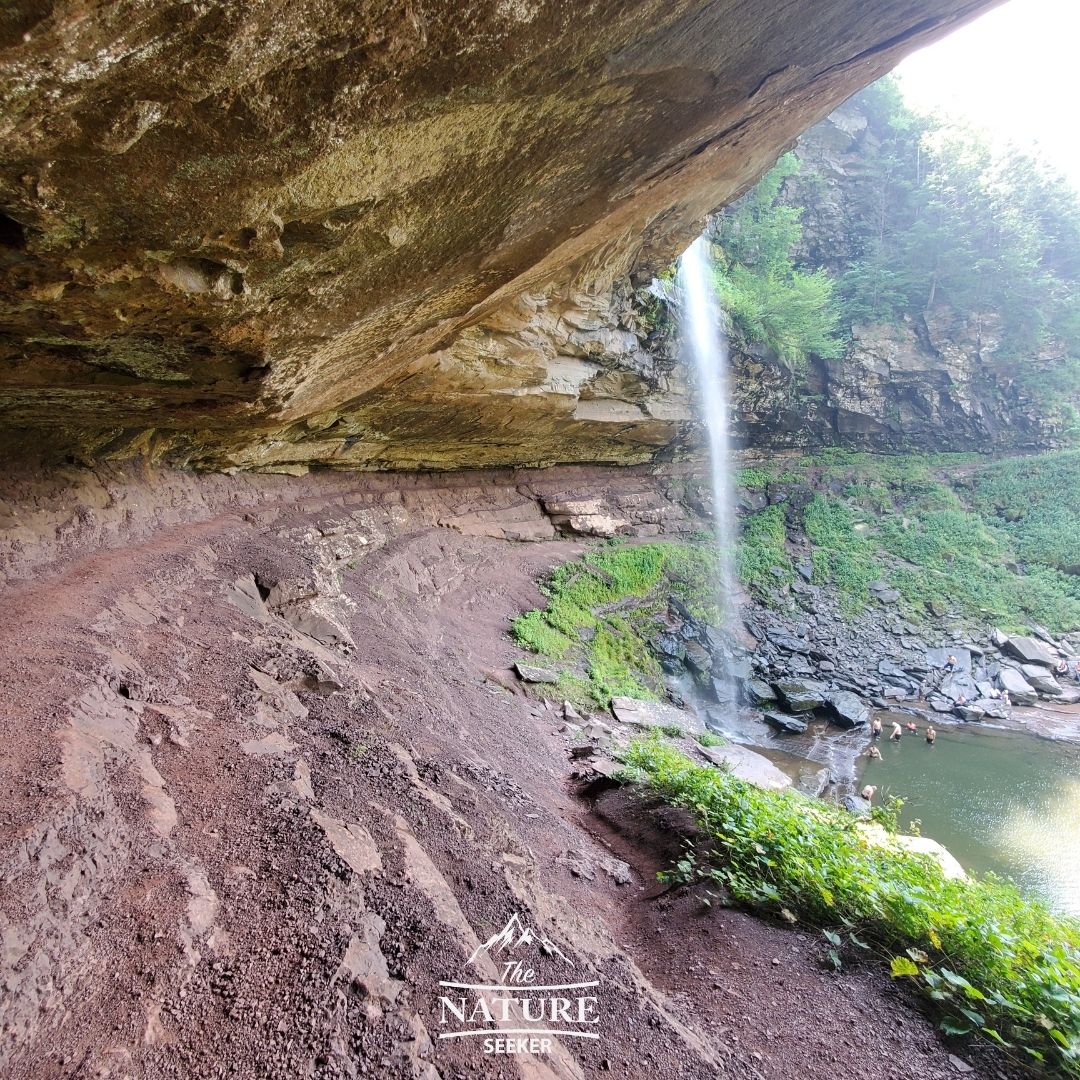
(260,798)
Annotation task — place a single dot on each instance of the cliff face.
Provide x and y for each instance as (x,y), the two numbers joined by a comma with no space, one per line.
(930,380)
(263,235)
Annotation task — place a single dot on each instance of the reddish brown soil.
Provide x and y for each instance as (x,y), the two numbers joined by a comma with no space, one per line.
(175,901)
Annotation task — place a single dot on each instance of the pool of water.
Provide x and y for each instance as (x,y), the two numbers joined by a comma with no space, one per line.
(998,799)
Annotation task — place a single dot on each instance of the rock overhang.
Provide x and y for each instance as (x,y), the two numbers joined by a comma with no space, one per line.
(263,235)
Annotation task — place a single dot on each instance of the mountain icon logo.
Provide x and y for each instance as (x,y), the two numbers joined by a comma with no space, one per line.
(515,935)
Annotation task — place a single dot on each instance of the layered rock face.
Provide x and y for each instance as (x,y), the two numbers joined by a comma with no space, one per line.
(266,235)
(927,381)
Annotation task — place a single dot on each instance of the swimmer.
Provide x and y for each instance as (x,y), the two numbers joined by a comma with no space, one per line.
(910,725)
(896,732)
(868,792)
(931,734)
(873,752)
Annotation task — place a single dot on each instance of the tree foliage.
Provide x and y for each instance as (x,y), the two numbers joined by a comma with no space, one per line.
(933,220)
(766,296)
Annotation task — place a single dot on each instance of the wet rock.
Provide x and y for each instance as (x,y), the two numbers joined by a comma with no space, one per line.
(783,722)
(747,765)
(698,659)
(856,805)
(848,709)
(801,695)
(654,714)
(759,692)
(669,645)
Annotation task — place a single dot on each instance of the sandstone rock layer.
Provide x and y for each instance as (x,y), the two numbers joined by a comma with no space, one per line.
(262,234)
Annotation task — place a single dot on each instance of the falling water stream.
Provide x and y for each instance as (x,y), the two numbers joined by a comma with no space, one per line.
(702,335)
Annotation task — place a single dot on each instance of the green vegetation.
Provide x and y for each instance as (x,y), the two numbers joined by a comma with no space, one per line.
(602,609)
(988,541)
(993,963)
(1036,500)
(707,738)
(840,554)
(942,220)
(762,559)
(766,296)
(932,221)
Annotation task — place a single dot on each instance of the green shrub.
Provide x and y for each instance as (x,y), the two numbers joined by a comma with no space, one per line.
(840,555)
(709,738)
(762,560)
(992,962)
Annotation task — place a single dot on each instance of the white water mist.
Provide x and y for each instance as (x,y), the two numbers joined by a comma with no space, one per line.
(702,335)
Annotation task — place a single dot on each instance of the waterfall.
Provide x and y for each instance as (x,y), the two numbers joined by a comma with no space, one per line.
(702,335)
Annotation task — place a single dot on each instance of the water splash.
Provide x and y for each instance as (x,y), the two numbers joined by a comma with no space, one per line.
(702,335)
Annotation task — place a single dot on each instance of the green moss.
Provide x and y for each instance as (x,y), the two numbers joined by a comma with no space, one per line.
(533,632)
(602,609)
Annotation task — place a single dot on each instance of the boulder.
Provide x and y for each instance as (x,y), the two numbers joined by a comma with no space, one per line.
(1042,681)
(848,709)
(759,692)
(812,779)
(801,695)
(747,765)
(783,722)
(936,658)
(1028,650)
(786,642)
(654,714)
(529,673)
(669,645)
(698,659)
(1020,690)
(957,686)
(970,712)
(856,805)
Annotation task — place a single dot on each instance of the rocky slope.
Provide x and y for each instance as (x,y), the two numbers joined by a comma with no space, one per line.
(256,235)
(269,779)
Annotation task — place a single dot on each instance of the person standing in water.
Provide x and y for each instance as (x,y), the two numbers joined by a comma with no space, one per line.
(931,734)
(875,728)
(896,732)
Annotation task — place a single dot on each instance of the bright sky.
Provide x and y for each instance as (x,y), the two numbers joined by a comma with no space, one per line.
(1013,73)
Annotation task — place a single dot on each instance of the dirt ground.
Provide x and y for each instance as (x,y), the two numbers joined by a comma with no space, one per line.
(267,781)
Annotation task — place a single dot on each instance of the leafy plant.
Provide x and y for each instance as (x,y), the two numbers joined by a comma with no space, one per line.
(992,962)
